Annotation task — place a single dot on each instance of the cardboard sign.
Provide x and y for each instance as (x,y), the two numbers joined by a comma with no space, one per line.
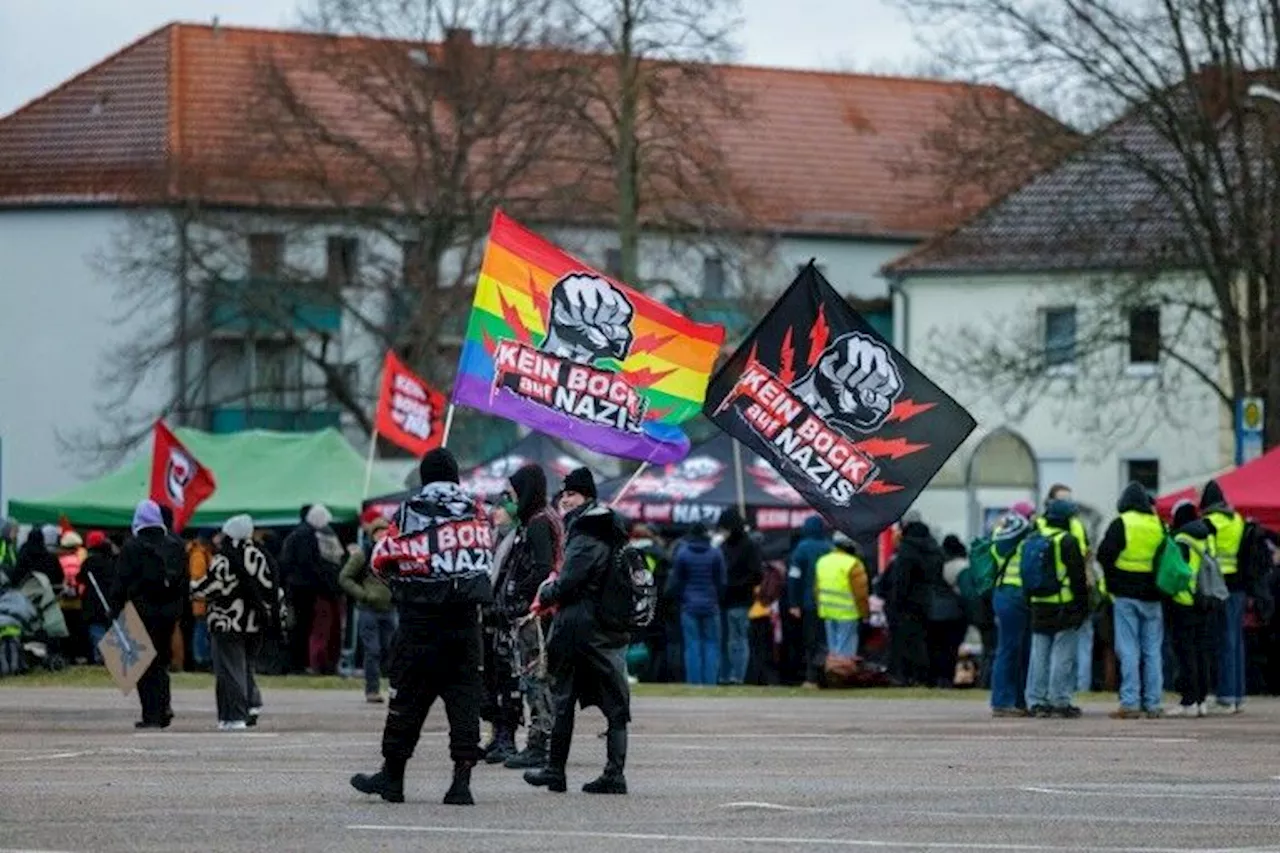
(126,649)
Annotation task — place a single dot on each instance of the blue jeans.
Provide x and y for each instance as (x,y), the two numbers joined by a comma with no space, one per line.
(1084,656)
(1051,678)
(1231,652)
(200,651)
(96,633)
(737,644)
(1013,647)
(1139,648)
(701,647)
(376,630)
(842,637)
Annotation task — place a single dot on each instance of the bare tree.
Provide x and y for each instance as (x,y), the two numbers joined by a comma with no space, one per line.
(1171,202)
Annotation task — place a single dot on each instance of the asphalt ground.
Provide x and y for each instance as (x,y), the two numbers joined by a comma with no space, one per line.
(706,774)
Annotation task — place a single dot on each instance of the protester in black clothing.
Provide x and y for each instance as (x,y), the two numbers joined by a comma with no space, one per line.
(35,556)
(299,553)
(436,561)
(535,554)
(945,623)
(1192,622)
(907,594)
(152,573)
(587,647)
(97,577)
(743,572)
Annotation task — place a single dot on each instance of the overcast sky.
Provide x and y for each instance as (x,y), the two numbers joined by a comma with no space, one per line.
(43,43)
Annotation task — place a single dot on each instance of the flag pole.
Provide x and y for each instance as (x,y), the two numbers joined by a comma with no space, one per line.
(742,489)
(368,465)
(626,487)
(448,425)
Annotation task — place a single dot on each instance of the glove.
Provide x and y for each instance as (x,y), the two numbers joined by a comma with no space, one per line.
(589,319)
(854,383)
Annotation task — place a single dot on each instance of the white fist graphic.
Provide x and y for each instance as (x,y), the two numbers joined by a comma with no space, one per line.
(854,384)
(590,319)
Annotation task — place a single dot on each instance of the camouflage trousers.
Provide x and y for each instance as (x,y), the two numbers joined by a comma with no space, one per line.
(531,651)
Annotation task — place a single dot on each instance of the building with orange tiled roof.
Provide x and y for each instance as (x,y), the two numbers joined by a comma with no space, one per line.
(160,126)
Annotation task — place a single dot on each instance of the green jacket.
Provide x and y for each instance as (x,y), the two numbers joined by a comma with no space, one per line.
(361,584)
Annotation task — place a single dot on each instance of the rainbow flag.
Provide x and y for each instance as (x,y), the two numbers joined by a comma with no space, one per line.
(562,348)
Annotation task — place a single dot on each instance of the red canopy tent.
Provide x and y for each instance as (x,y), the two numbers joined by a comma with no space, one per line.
(1253,489)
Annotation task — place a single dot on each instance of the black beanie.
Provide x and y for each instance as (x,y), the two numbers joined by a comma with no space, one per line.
(438,466)
(581,481)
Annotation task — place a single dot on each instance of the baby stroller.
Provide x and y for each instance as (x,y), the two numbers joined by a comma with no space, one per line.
(31,626)
(17,619)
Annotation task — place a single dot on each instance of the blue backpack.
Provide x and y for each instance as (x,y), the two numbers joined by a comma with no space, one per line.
(1039,569)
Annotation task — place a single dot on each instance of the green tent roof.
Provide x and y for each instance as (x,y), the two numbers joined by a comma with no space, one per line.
(266,474)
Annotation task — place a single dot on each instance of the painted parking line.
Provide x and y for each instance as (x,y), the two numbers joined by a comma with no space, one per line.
(1150,795)
(882,737)
(773,841)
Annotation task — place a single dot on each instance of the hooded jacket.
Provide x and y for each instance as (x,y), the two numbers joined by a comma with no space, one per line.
(242,592)
(537,548)
(916,568)
(743,564)
(152,573)
(1136,585)
(814,543)
(100,565)
(35,556)
(698,577)
(1253,554)
(437,557)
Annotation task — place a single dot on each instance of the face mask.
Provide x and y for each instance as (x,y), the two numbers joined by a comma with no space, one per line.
(509,506)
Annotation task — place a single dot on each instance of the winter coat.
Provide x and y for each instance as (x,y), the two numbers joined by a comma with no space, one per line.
(438,554)
(698,577)
(241,590)
(101,566)
(586,661)
(16,610)
(743,562)
(1120,584)
(311,560)
(916,572)
(34,556)
(1048,617)
(358,581)
(152,573)
(801,574)
(535,552)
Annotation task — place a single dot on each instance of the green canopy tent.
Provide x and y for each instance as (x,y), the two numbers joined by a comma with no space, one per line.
(266,474)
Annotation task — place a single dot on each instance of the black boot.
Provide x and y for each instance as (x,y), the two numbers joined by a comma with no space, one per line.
(532,758)
(459,793)
(612,781)
(551,778)
(504,746)
(387,783)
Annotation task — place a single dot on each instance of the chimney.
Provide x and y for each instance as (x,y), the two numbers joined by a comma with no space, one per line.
(458,38)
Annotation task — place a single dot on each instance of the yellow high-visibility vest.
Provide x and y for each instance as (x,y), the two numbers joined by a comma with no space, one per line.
(1230,533)
(1064,595)
(835,595)
(1143,534)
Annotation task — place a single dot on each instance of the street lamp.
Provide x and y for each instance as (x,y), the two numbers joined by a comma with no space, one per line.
(1258,90)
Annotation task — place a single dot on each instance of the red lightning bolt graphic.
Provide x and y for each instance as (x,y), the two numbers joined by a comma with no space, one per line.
(651,342)
(786,360)
(512,318)
(879,487)
(658,414)
(905,410)
(540,302)
(893,448)
(818,336)
(644,377)
(490,346)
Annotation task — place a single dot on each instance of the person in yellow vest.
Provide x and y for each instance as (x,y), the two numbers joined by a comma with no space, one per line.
(1190,621)
(1128,554)
(1228,539)
(1013,618)
(841,590)
(1084,642)
(1056,619)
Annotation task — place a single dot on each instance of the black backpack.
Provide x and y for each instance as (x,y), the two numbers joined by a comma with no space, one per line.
(628,592)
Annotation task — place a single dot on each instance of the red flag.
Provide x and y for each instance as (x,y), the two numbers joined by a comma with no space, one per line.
(178,480)
(410,412)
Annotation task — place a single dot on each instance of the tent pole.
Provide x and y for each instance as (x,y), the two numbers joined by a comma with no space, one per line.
(448,426)
(626,487)
(368,465)
(742,489)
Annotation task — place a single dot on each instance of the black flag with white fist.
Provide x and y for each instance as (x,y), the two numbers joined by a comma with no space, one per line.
(841,414)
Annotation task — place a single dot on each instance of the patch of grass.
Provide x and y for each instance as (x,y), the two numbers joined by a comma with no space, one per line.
(96,676)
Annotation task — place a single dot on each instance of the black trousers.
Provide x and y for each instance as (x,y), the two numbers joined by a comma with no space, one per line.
(503,705)
(437,657)
(1194,649)
(234,687)
(943,640)
(815,646)
(762,669)
(303,604)
(153,686)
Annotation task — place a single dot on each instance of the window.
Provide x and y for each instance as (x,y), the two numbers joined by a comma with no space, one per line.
(277,373)
(613,263)
(1059,337)
(1144,336)
(266,255)
(713,277)
(1143,471)
(343,262)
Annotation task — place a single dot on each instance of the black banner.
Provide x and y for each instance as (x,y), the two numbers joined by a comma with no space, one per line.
(841,414)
